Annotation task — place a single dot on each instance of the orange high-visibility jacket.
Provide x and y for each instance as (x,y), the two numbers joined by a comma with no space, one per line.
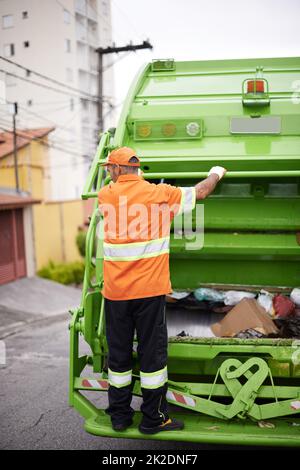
(137,217)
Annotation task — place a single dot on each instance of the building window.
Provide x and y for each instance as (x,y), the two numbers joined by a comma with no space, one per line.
(7,21)
(25,15)
(67,17)
(84,105)
(10,80)
(69,75)
(67,45)
(26,44)
(9,50)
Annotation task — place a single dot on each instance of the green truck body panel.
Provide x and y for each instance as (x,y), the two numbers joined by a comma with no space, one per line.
(182,118)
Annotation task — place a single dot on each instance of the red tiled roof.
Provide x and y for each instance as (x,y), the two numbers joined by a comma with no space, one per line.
(7,201)
(24,137)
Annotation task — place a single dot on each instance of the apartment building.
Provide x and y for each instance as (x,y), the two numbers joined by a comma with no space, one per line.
(58,38)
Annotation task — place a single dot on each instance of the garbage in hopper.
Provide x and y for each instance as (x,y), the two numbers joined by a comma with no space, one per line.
(283,306)
(233,297)
(265,299)
(295,296)
(248,313)
(209,294)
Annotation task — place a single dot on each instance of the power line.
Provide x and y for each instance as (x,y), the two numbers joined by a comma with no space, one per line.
(128,20)
(108,66)
(26,137)
(60,4)
(94,100)
(51,110)
(92,140)
(46,103)
(57,82)
(57,126)
(56,141)
(54,146)
(102,51)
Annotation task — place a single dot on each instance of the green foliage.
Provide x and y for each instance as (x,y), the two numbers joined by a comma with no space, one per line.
(68,273)
(80,242)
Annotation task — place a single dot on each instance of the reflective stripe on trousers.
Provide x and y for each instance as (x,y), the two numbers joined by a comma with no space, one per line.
(119,379)
(154,379)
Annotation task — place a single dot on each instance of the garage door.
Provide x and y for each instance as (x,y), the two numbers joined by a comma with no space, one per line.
(12,246)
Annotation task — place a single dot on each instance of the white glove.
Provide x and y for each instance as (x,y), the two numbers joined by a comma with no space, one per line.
(218,170)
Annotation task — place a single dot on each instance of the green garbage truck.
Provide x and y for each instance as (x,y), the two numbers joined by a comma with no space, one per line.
(182,118)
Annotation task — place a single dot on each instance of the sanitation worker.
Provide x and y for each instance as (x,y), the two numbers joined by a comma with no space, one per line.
(136,280)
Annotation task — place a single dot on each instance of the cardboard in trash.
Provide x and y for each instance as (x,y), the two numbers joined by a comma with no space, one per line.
(248,313)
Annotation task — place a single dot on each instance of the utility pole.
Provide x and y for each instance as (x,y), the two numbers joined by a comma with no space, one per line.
(15,112)
(111,50)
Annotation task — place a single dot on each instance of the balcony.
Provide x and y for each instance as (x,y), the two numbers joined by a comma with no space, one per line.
(92,13)
(92,29)
(81,32)
(81,7)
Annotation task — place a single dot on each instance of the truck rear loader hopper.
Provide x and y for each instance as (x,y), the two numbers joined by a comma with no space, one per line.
(182,118)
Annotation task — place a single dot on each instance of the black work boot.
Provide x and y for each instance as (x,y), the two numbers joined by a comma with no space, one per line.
(171,424)
(122,426)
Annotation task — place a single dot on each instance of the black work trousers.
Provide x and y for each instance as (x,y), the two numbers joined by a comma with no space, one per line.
(147,317)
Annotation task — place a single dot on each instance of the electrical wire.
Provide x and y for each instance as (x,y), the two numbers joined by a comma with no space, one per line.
(108,66)
(57,126)
(56,90)
(57,145)
(57,82)
(39,139)
(64,128)
(45,103)
(59,140)
(128,20)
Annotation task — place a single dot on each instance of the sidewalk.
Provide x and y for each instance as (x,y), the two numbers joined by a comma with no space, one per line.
(34,299)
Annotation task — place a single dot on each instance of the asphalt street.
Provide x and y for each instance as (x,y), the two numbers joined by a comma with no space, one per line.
(34,410)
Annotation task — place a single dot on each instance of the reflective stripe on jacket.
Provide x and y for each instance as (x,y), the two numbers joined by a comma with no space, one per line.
(137,217)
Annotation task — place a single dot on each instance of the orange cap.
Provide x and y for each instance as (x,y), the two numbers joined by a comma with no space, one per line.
(121,157)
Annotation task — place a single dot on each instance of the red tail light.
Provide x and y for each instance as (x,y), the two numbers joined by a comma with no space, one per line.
(257,86)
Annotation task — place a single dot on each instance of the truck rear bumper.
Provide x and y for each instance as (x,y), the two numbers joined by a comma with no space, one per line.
(285,432)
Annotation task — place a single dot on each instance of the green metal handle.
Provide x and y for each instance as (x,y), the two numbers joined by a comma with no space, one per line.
(89,195)
(88,255)
(94,168)
(229,174)
(204,174)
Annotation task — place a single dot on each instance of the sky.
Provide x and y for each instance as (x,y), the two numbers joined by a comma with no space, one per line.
(200,30)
